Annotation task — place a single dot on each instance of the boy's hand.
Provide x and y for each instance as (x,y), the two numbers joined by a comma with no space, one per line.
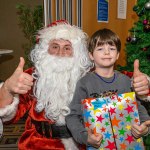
(147,123)
(140,81)
(140,130)
(94,139)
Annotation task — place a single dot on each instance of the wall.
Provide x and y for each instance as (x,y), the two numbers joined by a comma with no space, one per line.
(11,36)
(120,26)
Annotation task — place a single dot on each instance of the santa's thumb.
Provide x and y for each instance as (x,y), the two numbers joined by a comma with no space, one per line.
(136,68)
(21,64)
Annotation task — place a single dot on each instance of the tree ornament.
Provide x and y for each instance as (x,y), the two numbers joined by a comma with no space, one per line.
(128,39)
(140,13)
(133,39)
(145,22)
(147,5)
(147,28)
(144,49)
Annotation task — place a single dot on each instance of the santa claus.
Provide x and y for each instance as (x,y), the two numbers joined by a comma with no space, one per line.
(60,58)
(45,91)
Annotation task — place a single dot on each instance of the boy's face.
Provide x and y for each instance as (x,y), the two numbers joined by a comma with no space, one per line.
(104,56)
(60,47)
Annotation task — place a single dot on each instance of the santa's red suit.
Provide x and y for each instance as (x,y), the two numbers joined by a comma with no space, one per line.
(31,139)
(55,80)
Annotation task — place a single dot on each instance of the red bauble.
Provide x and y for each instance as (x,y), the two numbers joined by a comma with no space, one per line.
(144,49)
(128,39)
(145,22)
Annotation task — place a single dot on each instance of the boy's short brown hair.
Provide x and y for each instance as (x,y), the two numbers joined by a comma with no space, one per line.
(104,36)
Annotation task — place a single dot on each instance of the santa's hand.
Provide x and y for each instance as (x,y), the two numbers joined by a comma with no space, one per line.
(20,82)
(94,139)
(139,130)
(140,81)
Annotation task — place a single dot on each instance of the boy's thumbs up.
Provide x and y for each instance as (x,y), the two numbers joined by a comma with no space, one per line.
(94,139)
(136,72)
(140,81)
(147,123)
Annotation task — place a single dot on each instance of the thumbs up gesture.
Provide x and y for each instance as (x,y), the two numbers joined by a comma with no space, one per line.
(140,81)
(20,82)
(139,130)
(94,139)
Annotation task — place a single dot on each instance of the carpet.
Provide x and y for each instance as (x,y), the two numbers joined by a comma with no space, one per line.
(11,135)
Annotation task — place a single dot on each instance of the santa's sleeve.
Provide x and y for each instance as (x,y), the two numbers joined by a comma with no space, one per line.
(17,109)
(9,111)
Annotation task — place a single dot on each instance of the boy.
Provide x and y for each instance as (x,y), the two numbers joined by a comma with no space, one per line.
(104,49)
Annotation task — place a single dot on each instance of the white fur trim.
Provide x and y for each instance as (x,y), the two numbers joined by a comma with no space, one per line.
(8,112)
(145,98)
(148,98)
(65,111)
(69,144)
(64,31)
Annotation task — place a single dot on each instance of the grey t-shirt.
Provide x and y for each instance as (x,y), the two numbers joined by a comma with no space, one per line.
(92,83)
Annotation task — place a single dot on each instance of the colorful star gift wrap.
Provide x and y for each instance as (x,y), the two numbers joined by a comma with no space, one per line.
(112,116)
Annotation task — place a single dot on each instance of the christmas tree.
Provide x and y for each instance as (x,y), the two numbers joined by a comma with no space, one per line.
(138,46)
(138,43)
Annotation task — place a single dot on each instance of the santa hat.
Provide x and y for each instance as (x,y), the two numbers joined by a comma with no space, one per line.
(61,29)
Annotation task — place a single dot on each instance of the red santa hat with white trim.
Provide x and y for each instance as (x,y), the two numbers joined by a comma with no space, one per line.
(62,30)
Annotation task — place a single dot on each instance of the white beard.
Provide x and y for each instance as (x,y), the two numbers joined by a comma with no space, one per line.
(54,87)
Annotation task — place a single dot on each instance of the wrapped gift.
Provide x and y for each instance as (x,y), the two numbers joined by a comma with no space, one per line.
(113,116)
